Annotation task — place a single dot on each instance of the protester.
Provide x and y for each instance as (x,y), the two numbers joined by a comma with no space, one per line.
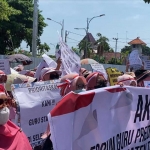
(11,136)
(142,76)
(27,73)
(84,72)
(72,82)
(127,80)
(95,80)
(49,74)
(19,68)
(3,77)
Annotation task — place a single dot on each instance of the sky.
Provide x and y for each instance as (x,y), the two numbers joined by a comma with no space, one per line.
(124,19)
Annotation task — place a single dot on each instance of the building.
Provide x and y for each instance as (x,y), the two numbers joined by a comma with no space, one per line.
(136,44)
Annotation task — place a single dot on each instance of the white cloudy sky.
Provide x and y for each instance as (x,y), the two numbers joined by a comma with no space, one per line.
(125,18)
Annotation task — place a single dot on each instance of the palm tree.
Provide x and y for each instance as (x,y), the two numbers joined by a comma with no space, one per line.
(103,45)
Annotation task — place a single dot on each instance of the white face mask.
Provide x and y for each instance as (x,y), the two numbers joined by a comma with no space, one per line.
(4,115)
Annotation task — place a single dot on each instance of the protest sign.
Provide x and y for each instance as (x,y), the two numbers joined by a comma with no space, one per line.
(147,64)
(35,101)
(4,66)
(99,68)
(50,62)
(147,84)
(70,60)
(46,62)
(113,74)
(111,118)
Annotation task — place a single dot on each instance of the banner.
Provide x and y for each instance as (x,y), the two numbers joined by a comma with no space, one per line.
(111,118)
(70,60)
(99,68)
(35,101)
(5,66)
(147,64)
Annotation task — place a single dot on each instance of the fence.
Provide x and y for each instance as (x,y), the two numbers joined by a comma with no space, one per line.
(36,61)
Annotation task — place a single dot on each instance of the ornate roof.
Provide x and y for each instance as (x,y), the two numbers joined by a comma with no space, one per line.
(137,41)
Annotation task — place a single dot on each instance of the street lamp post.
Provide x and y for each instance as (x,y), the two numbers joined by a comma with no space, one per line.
(62,26)
(35,29)
(86,30)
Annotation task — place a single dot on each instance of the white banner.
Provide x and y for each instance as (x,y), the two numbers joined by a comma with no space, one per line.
(99,68)
(70,60)
(35,102)
(111,118)
(5,66)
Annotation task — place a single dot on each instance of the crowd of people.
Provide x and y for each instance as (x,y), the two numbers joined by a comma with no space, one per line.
(84,81)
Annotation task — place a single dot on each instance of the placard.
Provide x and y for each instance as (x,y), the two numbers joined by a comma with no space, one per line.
(5,66)
(35,101)
(70,60)
(113,74)
(99,68)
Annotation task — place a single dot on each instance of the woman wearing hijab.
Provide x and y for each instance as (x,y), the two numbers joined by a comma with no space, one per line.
(95,80)
(49,74)
(72,82)
(127,80)
(11,136)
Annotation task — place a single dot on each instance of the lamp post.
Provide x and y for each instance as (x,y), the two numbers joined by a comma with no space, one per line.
(86,30)
(35,29)
(62,26)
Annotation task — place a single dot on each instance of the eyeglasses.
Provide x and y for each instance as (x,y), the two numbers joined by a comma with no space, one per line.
(54,76)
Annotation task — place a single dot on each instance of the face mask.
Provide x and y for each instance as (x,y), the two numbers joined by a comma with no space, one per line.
(81,90)
(4,115)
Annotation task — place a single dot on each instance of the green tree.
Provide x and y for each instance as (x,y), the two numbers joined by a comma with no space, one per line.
(82,46)
(115,61)
(19,27)
(42,48)
(147,1)
(6,11)
(103,44)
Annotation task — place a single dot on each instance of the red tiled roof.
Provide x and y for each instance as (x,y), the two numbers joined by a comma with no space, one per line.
(108,56)
(136,41)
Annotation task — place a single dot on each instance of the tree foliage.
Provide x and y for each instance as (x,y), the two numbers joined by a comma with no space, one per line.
(42,48)
(19,27)
(147,1)
(103,43)
(6,11)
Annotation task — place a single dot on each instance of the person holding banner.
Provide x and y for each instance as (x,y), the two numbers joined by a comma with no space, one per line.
(126,80)
(11,136)
(72,82)
(95,80)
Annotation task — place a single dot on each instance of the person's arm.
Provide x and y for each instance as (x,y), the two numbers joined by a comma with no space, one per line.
(58,63)
(127,66)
